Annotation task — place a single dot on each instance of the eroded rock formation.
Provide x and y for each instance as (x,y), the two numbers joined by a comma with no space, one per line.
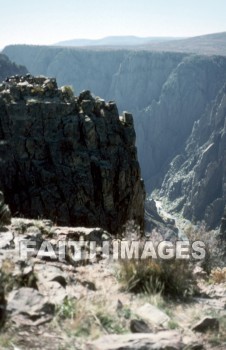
(70,159)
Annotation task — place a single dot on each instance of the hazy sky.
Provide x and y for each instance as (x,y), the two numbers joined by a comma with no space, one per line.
(50,21)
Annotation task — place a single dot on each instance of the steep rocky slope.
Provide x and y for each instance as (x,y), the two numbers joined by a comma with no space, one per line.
(70,159)
(164,126)
(8,68)
(196,180)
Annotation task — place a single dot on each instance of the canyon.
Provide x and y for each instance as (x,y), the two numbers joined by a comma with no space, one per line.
(174,98)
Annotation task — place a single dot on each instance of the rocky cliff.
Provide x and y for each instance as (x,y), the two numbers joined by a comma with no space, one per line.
(164,126)
(70,159)
(196,180)
(8,68)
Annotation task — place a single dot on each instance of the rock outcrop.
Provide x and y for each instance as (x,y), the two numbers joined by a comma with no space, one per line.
(196,180)
(70,159)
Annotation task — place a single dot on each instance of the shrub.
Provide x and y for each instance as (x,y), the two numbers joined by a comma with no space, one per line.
(37,90)
(66,309)
(218,275)
(213,256)
(172,277)
(68,92)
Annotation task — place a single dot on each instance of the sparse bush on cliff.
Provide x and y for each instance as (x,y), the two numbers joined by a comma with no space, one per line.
(37,90)
(68,92)
(213,252)
(170,277)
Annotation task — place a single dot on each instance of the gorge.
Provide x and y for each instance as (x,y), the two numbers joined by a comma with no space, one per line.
(175,99)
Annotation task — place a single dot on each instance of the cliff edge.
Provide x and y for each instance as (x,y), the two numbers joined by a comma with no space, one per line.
(70,159)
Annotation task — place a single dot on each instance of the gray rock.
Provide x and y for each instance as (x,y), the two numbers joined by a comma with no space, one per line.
(139,326)
(206,324)
(6,239)
(87,106)
(153,315)
(28,307)
(48,273)
(53,291)
(166,340)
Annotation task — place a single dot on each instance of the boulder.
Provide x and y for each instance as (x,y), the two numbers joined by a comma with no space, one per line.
(28,307)
(152,315)
(166,340)
(139,326)
(206,324)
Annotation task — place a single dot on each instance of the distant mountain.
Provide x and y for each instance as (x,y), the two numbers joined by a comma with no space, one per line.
(211,44)
(114,41)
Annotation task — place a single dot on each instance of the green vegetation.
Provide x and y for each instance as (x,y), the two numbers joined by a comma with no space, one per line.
(172,278)
(213,252)
(82,319)
(37,90)
(67,309)
(68,92)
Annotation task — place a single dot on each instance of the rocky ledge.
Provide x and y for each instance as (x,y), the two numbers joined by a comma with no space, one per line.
(71,159)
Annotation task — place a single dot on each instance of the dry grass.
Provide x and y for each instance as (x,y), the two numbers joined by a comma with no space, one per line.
(92,318)
(172,278)
(218,275)
(213,253)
